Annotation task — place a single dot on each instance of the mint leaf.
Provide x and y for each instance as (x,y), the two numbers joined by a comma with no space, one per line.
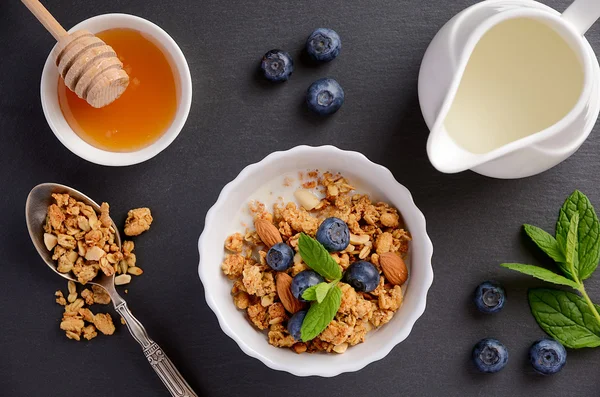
(317,292)
(545,242)
(588,232)
(541,273)
(310,294)
(572,247)
(320,314)
(565,316)
(322,290)
(317,258)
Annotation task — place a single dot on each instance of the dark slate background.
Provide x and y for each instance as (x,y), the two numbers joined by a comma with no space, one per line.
(236,120)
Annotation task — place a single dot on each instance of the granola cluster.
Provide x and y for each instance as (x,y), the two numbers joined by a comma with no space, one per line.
(376,228)
(78,321)
(83,242)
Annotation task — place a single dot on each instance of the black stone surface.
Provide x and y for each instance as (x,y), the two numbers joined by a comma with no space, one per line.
(235,120)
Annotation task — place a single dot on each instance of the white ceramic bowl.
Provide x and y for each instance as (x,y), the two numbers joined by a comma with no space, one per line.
(72,141)
(220,221)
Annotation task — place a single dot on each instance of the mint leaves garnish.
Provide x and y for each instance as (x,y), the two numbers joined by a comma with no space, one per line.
(571,319)
(318,258)
(320,314)
(327,297)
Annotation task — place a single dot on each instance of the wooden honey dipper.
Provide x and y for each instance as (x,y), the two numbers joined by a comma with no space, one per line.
(89,67)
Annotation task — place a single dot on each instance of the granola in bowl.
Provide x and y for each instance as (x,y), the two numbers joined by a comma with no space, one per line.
(277,175)
(376,238)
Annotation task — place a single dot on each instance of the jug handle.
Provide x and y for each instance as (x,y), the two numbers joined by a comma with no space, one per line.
(582,14)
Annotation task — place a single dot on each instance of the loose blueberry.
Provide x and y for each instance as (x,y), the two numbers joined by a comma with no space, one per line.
(325,96)
(277,65)
(280,257)
(333,234)
(323,45)
(304,280)
(490,356)
(362,275)
(295,324)
(489,297)
(547,356)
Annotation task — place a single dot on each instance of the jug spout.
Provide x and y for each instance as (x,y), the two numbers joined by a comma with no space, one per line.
(445,155)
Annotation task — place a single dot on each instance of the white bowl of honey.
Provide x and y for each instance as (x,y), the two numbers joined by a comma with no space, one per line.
(149,114)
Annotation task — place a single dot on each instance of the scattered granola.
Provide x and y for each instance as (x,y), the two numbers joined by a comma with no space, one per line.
(76,315)
(138,221)
(83,242)
(376,229)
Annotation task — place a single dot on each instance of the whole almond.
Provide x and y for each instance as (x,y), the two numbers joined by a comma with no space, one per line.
(267,232)
(393,267)
(284,283)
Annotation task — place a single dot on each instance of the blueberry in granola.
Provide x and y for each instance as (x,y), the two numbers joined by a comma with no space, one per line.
(304,280)
(295,324)
(323,45)
(325,96)
(489,297)
(547,356)
(333,234)
(362,275)
(280,257)
(277,65)
(489,355)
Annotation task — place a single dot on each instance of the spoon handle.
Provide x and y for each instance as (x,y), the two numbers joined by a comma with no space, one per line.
(157,358)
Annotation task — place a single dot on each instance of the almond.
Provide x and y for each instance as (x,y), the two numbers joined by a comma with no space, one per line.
(393,267)
(307,199)
(267,232)
(284,284)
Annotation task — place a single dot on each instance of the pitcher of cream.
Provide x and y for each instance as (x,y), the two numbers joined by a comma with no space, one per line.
(510,88)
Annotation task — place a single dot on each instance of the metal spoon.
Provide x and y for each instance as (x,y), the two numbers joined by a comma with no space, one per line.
(36,208)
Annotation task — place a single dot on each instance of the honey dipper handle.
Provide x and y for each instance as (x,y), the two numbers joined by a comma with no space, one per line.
(42,14)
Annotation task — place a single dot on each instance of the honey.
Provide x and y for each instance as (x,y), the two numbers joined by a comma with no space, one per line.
(145,110)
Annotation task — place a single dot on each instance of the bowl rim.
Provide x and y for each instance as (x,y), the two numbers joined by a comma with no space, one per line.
(332,370)
(81,148)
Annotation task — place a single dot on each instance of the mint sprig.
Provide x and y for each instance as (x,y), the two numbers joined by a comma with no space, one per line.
(317,258)
(327,297)
(320,314)
(571,319)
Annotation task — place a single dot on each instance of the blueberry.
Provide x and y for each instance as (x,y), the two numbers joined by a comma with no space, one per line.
(280,257)
(333,234)
(362,275)
(277,65)
(295,324)
(325,96)
(323,45)
(489,355)
(489,297)
(302,281)
(547,356)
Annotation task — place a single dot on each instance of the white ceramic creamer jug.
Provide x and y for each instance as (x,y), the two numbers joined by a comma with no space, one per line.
(510,88)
